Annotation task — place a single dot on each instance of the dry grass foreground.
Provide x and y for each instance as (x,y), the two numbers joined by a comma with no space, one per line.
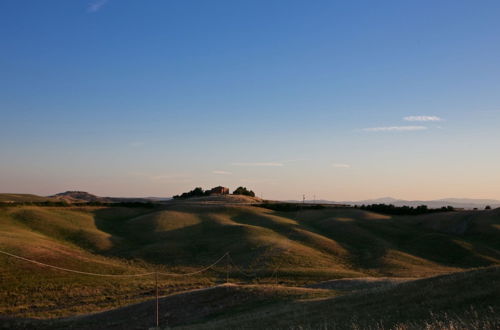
(465,300)
(302,248)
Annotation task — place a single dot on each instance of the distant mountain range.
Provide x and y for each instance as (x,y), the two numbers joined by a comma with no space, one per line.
(82,197)
(466,203)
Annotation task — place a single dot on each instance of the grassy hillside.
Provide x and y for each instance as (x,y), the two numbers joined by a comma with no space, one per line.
(465,300)
(220,199)
(336,242)
(292,248)
(22,198)
(68,237)
(482,226)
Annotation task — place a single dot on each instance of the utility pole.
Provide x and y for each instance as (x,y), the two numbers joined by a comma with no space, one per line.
(157,309)
(227,269)
(303,199)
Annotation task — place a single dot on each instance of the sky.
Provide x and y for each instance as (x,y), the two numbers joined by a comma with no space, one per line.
(338,100)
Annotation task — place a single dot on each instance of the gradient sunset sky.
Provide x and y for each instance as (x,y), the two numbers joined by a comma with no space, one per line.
(342,100)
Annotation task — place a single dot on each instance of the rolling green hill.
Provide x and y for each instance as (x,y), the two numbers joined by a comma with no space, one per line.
(464,300)
(22,198)
(265,246)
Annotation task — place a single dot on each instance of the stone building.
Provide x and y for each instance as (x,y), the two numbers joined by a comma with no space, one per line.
(219,191)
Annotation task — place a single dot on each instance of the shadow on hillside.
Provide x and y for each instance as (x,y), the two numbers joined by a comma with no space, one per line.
(112,220)
(367,239)
(192,245)
(364,250)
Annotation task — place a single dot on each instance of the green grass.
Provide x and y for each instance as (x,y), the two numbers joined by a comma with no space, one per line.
(301,247)
(22,198)
(66,237)
(465,300)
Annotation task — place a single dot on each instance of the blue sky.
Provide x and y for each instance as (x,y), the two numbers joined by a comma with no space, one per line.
(338,99)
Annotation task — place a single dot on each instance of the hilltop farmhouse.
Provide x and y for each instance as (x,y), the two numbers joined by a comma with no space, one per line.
(219,191)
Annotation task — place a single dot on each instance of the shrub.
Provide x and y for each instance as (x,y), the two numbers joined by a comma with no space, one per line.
(196,192)
(243,191)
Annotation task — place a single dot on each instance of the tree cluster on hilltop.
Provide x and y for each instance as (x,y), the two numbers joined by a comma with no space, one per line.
(200,192)
(243,191)
(196,192)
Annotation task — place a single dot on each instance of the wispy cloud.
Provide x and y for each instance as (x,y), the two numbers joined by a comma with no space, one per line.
(422,118)
(395,129)
(222,172)
(340,165)
(275,164)
(96,5)
(295,160)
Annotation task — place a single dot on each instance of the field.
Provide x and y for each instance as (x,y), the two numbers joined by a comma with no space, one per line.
(330,267)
